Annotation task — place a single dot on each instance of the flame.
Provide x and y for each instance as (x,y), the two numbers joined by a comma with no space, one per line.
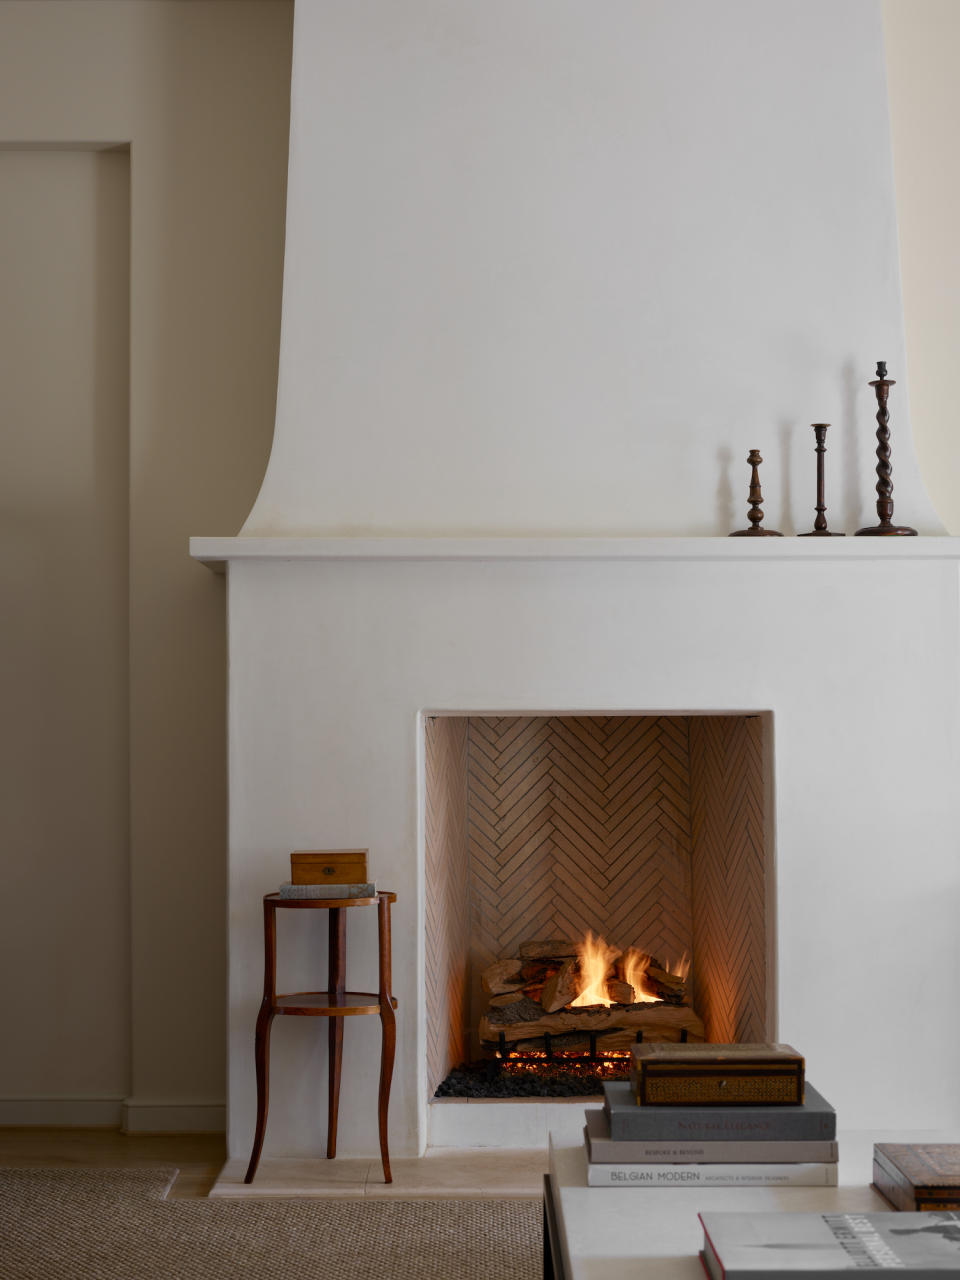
(596,957)
(635,965)
(682,968)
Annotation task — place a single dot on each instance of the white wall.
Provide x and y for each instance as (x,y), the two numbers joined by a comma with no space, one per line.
(199,92)
(921,41)
(551,273)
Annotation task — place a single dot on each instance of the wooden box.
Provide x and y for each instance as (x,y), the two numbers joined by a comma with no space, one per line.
(329,866)
(716,1074)
(918,1177)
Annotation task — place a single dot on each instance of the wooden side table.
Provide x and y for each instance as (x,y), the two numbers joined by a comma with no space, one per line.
(336,1003)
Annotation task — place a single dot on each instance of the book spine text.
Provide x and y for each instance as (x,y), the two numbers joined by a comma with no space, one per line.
(712,1175)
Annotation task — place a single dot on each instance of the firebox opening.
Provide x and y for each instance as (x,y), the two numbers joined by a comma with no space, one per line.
(591,881)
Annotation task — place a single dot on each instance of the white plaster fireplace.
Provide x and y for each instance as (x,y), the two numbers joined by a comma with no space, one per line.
(338,648)
(549,276)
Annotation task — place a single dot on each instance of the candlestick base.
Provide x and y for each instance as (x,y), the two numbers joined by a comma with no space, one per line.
(755,533)
(886,530)
(821,533)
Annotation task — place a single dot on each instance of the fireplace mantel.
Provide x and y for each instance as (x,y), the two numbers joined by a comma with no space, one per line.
(217,552)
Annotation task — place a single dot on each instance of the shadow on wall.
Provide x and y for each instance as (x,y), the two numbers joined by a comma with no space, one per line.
(851,449)
(725,509)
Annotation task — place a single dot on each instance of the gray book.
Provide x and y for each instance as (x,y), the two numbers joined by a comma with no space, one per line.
(289,890)
(602,1149)
(737,1174)
(814,1118)
(828,1246)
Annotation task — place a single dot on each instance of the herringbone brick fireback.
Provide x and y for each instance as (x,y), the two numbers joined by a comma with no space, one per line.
(647,829)
(579,823)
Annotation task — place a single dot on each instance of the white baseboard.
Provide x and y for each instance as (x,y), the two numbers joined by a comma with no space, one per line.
(173,1117)
(61,1113)
(127,1114)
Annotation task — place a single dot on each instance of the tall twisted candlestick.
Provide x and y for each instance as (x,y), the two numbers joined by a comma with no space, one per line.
(882,386)
(820,529)
(755,514)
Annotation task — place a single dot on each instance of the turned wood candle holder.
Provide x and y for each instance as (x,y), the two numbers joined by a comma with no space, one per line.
(820,529)
(755,514)
(881,386)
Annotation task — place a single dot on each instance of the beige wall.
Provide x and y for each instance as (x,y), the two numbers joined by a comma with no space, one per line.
(64,805)
(922,37)
(200,93)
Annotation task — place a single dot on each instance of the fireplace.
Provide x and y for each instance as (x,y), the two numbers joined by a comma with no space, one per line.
(645,831)
(523,358)
(341,651)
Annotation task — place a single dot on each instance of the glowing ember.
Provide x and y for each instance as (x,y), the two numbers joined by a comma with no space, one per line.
(612,1065)
(596,958)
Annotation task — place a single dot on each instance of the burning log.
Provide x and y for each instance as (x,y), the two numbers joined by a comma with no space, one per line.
(665,986)
(562,987)
(606,1041)
(501,977)
(583,991)
(664,1021)
(619,992)
(508,998)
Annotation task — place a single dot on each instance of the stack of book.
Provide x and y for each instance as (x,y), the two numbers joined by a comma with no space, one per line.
(328,873)
(721,1115)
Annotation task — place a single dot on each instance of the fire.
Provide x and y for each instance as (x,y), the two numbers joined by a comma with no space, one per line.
(596,961)
(635,965)
(596,958)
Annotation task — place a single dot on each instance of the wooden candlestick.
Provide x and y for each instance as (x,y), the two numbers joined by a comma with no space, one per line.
(755,515)
(882,386)
(820,529)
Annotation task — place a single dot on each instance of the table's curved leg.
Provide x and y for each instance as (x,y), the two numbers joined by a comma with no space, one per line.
(262,1054)
(388,1027)
(336,1060)
(336,980)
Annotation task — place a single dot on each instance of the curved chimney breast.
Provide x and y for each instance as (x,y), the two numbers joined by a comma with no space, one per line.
(555,270)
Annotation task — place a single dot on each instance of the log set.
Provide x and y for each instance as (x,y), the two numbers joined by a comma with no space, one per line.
(532,994)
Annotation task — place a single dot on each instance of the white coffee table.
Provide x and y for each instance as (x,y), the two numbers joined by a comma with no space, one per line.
(629,1233)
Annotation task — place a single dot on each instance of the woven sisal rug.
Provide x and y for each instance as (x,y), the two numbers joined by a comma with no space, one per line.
(114,1224)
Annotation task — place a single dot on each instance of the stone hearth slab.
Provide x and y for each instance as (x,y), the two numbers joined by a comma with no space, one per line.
(440,1174)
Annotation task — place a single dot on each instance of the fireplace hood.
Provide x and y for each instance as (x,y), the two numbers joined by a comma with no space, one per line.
(552,273)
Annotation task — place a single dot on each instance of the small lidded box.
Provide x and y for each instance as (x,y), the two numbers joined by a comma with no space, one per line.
(918,1177)
(721,1075)
(329,866)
